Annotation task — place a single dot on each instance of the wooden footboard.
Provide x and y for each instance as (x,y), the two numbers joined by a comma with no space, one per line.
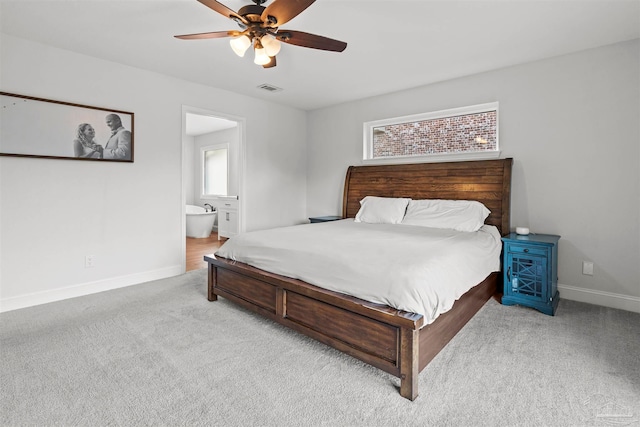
(376,334)
(384,337)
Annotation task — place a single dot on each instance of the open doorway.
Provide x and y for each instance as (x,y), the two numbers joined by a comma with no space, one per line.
(212,171)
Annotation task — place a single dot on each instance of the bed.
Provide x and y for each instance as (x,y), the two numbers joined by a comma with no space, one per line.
(395,341)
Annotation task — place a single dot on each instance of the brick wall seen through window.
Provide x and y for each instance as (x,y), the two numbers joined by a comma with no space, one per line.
(458,131)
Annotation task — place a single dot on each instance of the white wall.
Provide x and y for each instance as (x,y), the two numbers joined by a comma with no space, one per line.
(572,125)
(188,176)
(54,212)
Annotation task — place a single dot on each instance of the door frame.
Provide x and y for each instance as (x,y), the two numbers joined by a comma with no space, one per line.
(240,172)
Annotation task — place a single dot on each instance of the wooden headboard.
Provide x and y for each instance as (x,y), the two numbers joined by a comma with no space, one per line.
(487,181)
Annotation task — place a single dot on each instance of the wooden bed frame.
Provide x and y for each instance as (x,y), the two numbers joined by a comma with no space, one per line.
(384,337)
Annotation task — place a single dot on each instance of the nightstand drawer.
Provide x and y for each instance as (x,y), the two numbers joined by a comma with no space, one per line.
(529,249)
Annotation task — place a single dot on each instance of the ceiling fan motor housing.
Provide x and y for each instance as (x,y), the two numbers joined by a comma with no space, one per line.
(252,12)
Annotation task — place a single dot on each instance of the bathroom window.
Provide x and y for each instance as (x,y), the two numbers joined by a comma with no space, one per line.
(215,170)
(455,134)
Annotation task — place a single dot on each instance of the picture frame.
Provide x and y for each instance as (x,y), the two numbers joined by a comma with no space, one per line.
(44,128)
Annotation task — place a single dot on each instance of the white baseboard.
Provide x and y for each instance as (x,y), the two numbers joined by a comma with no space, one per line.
(605,299)
(37,298)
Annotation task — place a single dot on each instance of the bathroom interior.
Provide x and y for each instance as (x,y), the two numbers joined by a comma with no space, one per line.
(211,146)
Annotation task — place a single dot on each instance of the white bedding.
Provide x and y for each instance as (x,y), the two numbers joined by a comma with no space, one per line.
(412,268)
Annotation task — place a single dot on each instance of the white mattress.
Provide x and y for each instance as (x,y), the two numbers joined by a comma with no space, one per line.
(417,269)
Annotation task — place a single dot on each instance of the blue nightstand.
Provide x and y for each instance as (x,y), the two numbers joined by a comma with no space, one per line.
(530,265)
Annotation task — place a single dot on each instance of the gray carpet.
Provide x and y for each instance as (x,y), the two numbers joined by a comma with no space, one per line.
(161,354)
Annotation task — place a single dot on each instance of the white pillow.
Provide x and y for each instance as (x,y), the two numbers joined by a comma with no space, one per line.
(381,210)
(461,215)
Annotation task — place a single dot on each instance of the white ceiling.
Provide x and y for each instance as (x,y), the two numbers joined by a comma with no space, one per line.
(392,44)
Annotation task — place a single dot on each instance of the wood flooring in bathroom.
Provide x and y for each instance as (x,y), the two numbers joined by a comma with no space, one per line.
(198,248)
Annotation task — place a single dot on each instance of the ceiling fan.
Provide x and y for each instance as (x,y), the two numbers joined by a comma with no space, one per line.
(260,28)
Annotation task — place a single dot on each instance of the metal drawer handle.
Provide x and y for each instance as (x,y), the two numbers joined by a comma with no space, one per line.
(526,250)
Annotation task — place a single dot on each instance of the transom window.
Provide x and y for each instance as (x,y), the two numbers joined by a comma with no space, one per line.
(467,132)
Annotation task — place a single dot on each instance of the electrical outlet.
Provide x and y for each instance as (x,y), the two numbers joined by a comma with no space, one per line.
(587,268)
(89,261)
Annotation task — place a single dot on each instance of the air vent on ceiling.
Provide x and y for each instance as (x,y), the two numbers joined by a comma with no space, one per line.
(269,88)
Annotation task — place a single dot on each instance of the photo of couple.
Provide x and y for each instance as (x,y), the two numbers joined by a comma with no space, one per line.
(118,146)
(38,127)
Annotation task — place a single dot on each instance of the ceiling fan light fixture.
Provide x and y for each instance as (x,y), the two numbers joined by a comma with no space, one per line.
(240,45)
(271,44)
(261,55)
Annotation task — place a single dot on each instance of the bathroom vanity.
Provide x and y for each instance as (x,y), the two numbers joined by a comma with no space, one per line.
(227,217)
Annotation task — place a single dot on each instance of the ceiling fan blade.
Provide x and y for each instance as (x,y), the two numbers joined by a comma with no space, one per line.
(213,35)
(271,63)
(222,10)
(282,11)
(300,38)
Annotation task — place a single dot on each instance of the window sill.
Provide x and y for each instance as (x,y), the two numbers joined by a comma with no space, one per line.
(214,197)
(434,158)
